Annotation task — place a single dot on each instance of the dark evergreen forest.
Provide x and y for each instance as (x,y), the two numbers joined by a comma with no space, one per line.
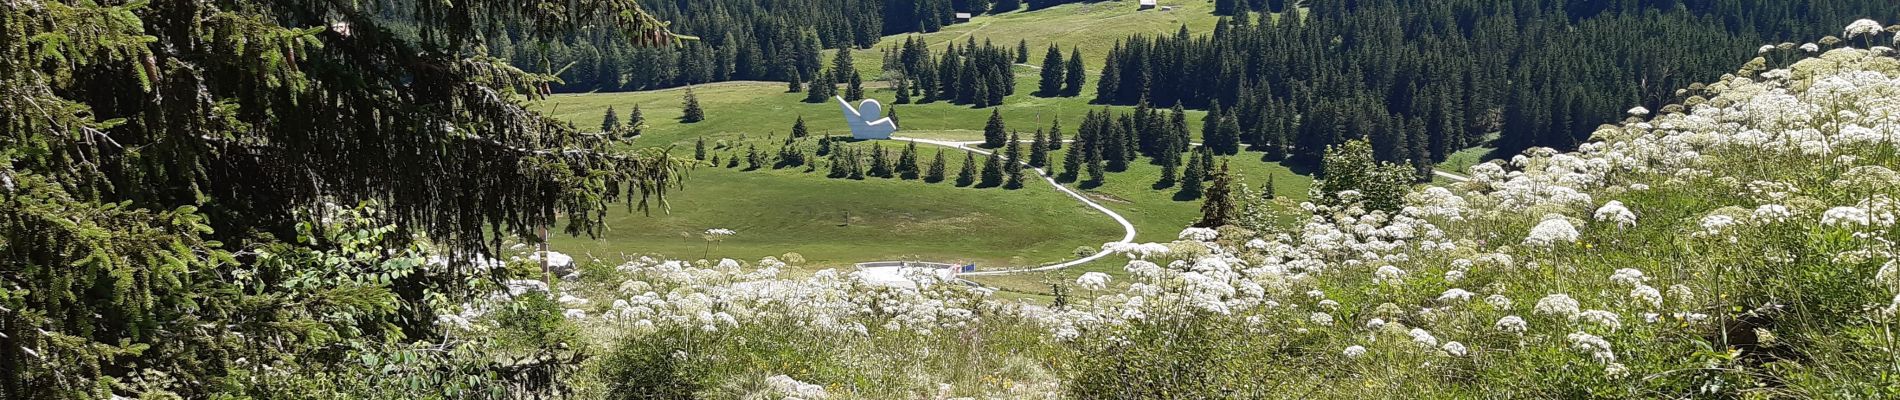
(1422,79)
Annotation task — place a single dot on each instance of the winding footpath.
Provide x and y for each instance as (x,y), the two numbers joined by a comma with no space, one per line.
(1128,229)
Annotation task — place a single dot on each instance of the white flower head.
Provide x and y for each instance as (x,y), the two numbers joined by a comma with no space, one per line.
(1628,276)
(1558,304)
(1454,295)
(1423,337)
(1455,349)
(1639,111)
(1512,324)
(1864,27)
(1615,212)
(1498,301)
(1354,351)
(1093,281)
(1199,234)
(1553,230)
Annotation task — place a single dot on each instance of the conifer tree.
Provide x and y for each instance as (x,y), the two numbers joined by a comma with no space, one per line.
(824,145)
(967,175)
(1229,134)
(1055,134)
(1052,77)
(753,159)
(699,150)
(907,162)
(793,82)
(1217,209)
(1207,163)
(1022,49)
(1074,75)
(1210,127)
(880,164)
(636,122)
(1191,180)
(1269,192)
(935,174)
(903,91)
(993,132)
(854,87)
(855,160)
(692,111)
(1071,164)
(841,66)
(1039,150)
(838,165)
(1013,166)
(1097,173)
(818,91)
(1168,175)
(892,114)
(610,122)
(798,128)
(1114,145)
(992,175)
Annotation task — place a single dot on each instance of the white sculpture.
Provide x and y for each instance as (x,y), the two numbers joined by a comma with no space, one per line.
(862,122)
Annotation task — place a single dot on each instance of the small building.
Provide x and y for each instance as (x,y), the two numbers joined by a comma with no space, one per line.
(963,17)
(1147,4)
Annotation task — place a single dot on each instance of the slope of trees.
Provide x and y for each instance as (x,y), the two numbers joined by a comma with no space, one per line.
(1421,79)
(180,196)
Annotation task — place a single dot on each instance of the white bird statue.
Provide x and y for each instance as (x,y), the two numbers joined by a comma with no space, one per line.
(866,120)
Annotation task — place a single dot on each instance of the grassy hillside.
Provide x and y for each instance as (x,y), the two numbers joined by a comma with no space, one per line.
(1701,252)
(762,113)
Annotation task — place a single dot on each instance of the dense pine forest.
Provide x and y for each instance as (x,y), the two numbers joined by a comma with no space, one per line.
(739,40)
(1422,79)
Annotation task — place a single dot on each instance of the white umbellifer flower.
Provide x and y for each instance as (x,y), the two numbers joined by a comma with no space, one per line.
(1388,273)
(1627,276)
(1199,234)
(1715,224)
(1892,309)
(1329,304)
(1093,281)
(1454,276)
(1614,211)
(1375,324)
(1889,275)
(1864,27)
(1555,229)
(793,388)
(719,232)
(1601,318)
(1498,302)
(1810,47)
(1845,215)
(574,313)
(1765,49)
(1455,349)
(1354,351)
(1772,213)
(1067,333)
(1647,295)
(1639,111)
(1454,295)
(1321,319)
(1616,371)
(1512,324)
(1598,348)
(1558,304)
(1423,337)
